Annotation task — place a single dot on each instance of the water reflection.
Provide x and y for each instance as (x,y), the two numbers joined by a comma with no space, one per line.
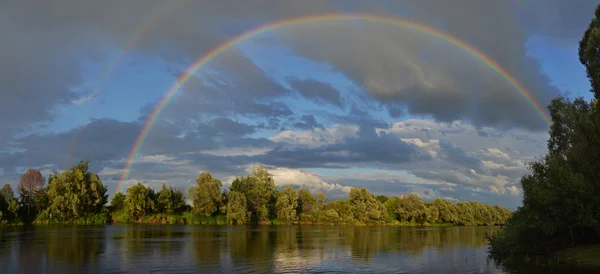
(261,249)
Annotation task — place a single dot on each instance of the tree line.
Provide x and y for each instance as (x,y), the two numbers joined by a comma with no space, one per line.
(78,196)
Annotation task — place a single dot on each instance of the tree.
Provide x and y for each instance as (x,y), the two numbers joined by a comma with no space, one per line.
(237,208)
(287,202)
(589,48)
(365,207)
(306,201)
(259,190)
(73,194)
(139,200)
(31,185)
(207,197)
(118,202)
(169,200)
(321,200)
(382,198)
(9,207)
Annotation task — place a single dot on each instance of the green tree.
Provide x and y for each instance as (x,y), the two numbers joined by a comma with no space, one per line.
(287,202)
(9,206)
(118,202)
(343,209)
(169,200)
(237,208)
(412,209)
(321,200)
(207,196)
(382,198)
(73,194)
(140,200)
(259,190)
(589,47)
(306,201)
(365,207)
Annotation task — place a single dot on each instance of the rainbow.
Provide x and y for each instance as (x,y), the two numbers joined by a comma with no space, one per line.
(203,60)
(150,21)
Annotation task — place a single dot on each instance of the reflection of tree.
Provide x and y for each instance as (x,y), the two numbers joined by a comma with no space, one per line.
(366,241)
(252,247)
(166,239)
(74,246)
(207,246)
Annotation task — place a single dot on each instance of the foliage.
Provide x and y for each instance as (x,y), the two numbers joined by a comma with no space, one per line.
(206,195)
(287,202)
(589,46)
(169,200)
(9,207)
(73,194)
(259,189)
(118,202)
(140,200)
(77,196)
(365,207)
(306,201)
(237,207)
(561,196)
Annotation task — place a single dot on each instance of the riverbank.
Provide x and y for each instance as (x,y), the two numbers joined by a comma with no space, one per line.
(192,219)
(585,256)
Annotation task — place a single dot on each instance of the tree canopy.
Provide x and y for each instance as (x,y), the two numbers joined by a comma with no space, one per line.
(561,195)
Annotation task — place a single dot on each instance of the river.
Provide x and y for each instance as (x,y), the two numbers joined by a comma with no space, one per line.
(241,249)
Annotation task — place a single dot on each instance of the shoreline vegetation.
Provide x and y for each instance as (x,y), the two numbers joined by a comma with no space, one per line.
(559,221)
(77,196)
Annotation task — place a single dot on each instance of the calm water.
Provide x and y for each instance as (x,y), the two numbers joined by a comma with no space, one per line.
(238,249)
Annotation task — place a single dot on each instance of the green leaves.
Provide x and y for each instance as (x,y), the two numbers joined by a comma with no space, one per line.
(73,194)
(287,202)
(206,195)
(561,196)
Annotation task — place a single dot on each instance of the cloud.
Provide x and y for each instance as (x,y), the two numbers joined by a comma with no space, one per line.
(470,129)
(393,69)
(296,177)
(316,137)
(317,91)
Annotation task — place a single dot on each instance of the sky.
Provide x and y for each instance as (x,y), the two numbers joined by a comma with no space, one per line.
(326,105)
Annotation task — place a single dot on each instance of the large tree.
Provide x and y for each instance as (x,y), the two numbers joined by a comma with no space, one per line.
(287,202)
(9,207)
(74,193)
(169,200)
(561,195)
(207,196)
(140,200)
(259,190)
(31,188)
(589,53)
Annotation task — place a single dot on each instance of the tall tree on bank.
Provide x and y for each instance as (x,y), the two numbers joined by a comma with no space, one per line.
(561,196)
(589,53)
(9,207)
(73,194)
(31,188)
(139,200)
(287,203)
(207,197)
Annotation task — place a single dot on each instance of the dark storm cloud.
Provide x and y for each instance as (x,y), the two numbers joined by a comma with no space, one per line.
(45,43)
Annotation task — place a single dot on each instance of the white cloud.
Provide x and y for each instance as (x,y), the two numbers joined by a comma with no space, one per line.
(316,137)
(288,176)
